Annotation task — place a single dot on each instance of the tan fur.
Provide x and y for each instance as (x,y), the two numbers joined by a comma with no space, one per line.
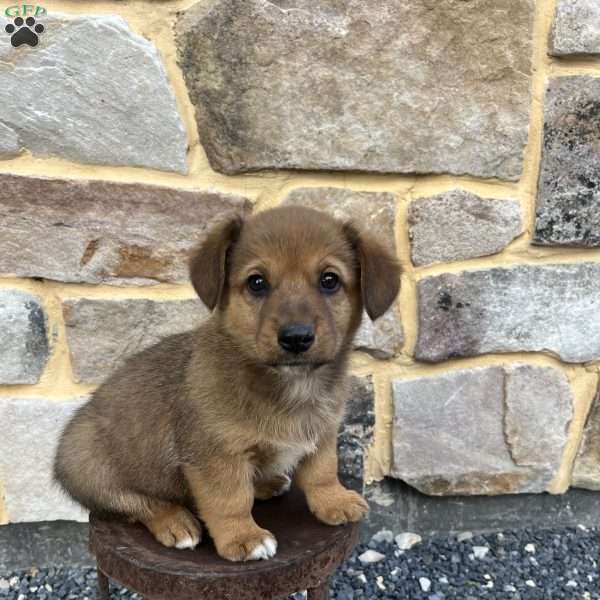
(207,421)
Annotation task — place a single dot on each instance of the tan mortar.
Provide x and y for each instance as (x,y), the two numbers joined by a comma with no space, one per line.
(154,21)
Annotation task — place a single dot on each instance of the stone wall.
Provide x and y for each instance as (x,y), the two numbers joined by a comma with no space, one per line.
(466,135)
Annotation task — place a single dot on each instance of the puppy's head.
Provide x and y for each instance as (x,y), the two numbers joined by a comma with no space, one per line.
(290,284)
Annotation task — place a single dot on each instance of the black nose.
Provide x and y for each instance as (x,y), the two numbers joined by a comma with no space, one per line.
(296,338)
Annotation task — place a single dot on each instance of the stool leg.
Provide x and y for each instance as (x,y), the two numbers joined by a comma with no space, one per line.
(103,586)
(321,592)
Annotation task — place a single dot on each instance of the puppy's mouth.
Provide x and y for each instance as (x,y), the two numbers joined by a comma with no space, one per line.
(296,364)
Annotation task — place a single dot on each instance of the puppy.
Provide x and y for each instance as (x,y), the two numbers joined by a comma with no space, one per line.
(204,422)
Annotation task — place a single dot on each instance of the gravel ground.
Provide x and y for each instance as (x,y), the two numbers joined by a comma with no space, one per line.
(524,565)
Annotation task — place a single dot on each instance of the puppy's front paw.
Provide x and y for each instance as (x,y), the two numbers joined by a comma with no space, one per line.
(175,527)
(337,505)
(254,544)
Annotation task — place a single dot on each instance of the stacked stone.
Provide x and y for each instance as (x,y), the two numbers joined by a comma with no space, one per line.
(486,369)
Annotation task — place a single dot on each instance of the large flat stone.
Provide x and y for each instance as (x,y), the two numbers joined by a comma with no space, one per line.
(92,91)
(493,430)
(374,212)
(526,308)
(102,333)
(29,430)
(419,87)
(576,28)
(568,203)
(9,142)
(457,225)
(103,232)
(356,432)
(24,346)
(586,470)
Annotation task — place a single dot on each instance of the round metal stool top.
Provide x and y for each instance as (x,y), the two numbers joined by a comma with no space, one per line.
(307,554)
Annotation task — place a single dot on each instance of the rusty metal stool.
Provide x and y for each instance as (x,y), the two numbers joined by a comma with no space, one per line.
(308,553)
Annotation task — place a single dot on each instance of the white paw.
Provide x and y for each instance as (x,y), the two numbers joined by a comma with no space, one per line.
(187,542)
(265,550)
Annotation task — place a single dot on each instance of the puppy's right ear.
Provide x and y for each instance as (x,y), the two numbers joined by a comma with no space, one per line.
(208,264)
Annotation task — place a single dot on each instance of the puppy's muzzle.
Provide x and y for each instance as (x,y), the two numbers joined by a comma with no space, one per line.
(296,338)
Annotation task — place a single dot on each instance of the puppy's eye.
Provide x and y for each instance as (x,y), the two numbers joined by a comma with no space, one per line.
(330,282)
(257,285)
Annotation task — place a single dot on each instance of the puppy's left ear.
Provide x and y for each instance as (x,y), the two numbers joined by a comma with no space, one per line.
(208,264)
(379,272)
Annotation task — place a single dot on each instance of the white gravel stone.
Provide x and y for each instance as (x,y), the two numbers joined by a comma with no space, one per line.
(464,536)
(480,552)
(571,584)
(370,556)
(530,583)
(425,583)
(406,540)
(530,548)
(385,535)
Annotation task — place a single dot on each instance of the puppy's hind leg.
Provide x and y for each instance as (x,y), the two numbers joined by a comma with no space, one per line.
(98,490)
(171,524)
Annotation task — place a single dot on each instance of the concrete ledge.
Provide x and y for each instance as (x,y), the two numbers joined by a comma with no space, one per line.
(394,506)
(397,506)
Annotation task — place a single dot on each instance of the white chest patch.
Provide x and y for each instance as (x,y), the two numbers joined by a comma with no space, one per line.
(299,386)
(287,458)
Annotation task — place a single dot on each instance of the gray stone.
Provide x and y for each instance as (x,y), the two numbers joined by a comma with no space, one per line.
(492,430)
(29,430)
(568,203)
(356,431)
(419,87)
(526,308)
(103,232)
(102,333)
(586,470)
(92,91)
(382,338)
(9,142)
(374,212)
(576,28)
(23,337)
(456,225)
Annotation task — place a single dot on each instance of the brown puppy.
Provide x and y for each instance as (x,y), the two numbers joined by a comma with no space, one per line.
(207,421)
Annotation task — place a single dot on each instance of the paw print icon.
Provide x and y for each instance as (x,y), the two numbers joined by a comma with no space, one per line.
(24,31)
